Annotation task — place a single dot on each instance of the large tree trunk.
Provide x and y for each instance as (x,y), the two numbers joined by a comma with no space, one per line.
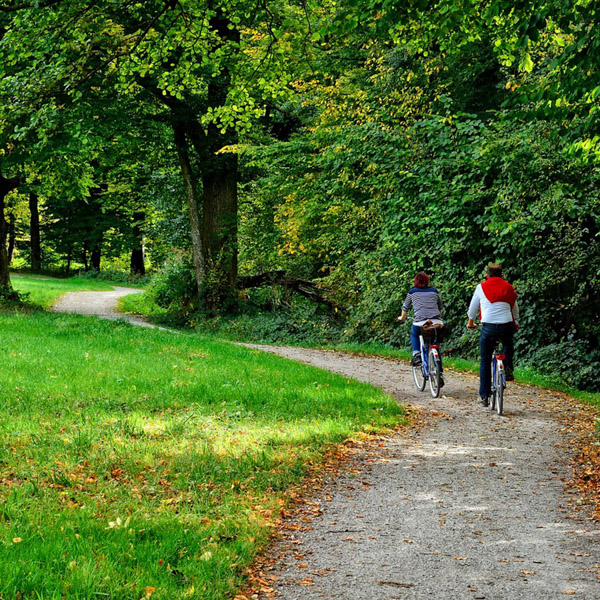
(6,186)
(34,233)
(219,220)
(181,145)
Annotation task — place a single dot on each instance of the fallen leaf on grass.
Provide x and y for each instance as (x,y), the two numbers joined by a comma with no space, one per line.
(149,591)
(17,540)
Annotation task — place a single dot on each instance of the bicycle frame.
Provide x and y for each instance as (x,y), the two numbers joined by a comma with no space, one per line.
(425,353)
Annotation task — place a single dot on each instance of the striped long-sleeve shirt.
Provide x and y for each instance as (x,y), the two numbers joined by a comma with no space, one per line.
(425,302)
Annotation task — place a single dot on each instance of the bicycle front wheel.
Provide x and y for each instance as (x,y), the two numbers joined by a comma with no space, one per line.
(419,377)
(500,385)
(434,374)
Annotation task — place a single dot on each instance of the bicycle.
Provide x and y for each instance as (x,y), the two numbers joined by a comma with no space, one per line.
(496,399)
(430,368)
(498,383)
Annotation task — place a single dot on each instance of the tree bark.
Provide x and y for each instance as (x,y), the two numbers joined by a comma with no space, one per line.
(96,253)
(137,266)
(11,237)
(181,145)
(6,186)
(219,219)
(34,233)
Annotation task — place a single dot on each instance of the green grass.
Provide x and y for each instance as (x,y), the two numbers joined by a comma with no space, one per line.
(133,459)
(141,304)
(45,291)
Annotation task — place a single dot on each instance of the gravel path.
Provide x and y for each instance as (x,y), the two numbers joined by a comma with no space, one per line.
(470,506)
(99,304)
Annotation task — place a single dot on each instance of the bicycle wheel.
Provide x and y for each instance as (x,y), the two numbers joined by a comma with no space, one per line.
(434,374)
(499,390)
(492,398)
(419,376)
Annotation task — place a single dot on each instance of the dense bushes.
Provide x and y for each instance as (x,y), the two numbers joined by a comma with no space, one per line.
(369,206)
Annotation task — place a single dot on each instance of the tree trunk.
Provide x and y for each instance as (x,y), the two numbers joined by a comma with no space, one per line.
(11,237)
(137,266)
(181,144)
(34,233)
(69,262)
(219,220)
(96,254)
(6,186)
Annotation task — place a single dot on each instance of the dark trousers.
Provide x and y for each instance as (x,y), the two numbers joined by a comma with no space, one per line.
(490,334)
(415,332)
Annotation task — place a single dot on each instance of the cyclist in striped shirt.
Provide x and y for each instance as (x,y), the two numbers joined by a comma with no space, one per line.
(426,304)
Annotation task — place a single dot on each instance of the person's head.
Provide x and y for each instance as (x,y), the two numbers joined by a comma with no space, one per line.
(421,279)
(494,270)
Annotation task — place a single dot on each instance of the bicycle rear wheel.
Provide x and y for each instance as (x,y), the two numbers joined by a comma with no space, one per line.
(492,398)
(499,390)
(419,377)
(434,374)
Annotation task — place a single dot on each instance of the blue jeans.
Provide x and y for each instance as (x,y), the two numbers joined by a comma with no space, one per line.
(490,334)
(415,332)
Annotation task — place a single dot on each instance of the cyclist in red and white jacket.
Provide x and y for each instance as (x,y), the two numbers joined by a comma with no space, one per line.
(495,302)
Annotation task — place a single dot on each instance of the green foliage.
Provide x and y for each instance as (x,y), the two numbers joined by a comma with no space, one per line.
(174,290)
(116,276)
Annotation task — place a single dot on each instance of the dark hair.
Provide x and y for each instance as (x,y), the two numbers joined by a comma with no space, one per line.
(421,279)
(494,270)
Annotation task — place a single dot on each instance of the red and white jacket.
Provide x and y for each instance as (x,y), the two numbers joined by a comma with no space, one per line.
(494,301)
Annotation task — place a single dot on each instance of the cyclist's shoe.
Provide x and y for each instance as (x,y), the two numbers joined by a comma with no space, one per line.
(442,382)
(483,401)
(416,360)
(509,374)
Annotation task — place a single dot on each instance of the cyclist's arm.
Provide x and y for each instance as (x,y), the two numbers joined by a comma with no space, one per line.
(474,308)
(403,316)
(515,311)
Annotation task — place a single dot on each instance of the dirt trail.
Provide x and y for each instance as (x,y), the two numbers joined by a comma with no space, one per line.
(100,304)
(471,506)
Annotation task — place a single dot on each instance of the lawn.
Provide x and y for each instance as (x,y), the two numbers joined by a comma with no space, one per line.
(137,463)
(45,291)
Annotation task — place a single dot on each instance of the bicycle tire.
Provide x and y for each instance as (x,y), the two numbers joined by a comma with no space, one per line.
(492,398)
(500,390)
(434,374)
(419,377)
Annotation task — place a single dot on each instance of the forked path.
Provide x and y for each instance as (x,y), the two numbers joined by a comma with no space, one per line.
(470,506)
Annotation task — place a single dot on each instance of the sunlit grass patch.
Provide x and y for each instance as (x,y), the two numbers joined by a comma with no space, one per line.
(133,459)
